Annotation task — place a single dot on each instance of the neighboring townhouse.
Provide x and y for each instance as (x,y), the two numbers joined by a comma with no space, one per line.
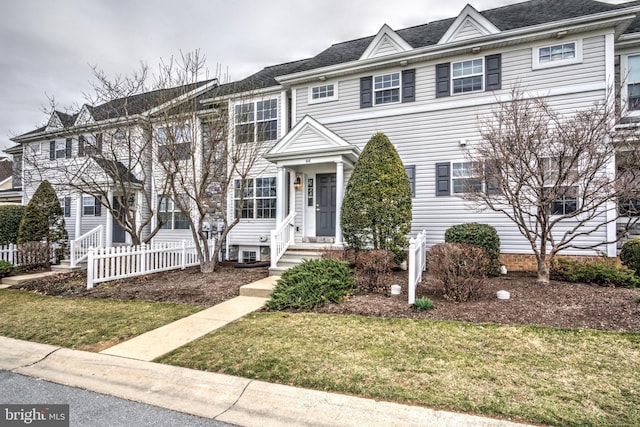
(428,88)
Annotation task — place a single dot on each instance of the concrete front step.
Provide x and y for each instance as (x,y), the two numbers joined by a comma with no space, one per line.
(262,288)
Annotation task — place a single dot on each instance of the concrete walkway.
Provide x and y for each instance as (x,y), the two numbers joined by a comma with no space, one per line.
(234,400)
(16,280)
(154,344)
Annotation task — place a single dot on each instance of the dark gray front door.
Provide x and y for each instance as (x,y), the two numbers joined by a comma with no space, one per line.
(118,231)
(326,204)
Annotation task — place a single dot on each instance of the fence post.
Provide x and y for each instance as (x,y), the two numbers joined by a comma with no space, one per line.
(90,268)
(142,251)
(412,270)
(184,255)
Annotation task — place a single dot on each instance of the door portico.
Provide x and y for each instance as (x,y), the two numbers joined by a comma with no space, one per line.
(315,159)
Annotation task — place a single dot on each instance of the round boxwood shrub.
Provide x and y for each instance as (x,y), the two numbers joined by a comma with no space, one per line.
(312,284)
(481,235)
(630,254)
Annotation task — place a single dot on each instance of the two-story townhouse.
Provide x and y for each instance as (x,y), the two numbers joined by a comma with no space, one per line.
(100,156)
(429,88)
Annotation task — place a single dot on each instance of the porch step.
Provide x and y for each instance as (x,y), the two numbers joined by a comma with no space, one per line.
(262,288)
(291,258)
(65,266)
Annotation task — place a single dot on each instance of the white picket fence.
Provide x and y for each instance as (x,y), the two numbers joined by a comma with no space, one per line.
(104,264)
(417,262)
(10,254)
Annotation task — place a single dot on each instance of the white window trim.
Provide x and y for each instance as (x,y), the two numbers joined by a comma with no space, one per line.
(482,76)
(326,99)
(451,177)
(35,149)
(373,88)
(254,198)
(254,121)
(93,199)
(243,249)
(624,89)
(535,55)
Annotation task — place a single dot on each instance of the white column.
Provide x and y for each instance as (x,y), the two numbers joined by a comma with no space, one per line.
(280,195)
(78,218)
(108,226)
(292,192)
(339,197)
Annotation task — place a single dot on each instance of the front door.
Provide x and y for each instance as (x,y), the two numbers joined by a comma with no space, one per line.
(118,231)
(326,204)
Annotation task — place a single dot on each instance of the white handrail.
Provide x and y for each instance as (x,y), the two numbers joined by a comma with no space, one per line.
(80,247)
(417,262)
(281,238)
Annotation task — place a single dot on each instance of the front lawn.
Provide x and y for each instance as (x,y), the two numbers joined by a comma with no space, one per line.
(548,375)
(81,323)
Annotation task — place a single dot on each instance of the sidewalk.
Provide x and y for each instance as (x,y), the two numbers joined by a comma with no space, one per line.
(224,398)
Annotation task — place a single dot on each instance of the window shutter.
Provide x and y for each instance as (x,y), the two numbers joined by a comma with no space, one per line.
(67,149)
(81,142)
(442,80)
(99,143)
(52,150)
(443,180)
(67,206)
(408,85)
(98,206)
(366,92)
(493,66)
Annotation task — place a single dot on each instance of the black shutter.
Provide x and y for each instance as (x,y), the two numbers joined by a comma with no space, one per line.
(67,206)
(52,150)
(411,174)
(493,66)
(67,149)
(408,85)
(99,143)
(442,179)
(98,206)
(366,92)
(442,80)
(81,143)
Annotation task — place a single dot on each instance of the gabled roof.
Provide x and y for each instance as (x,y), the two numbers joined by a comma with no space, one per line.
(468,24)
(386,41)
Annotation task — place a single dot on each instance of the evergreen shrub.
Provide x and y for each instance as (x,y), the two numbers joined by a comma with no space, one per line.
(481,235)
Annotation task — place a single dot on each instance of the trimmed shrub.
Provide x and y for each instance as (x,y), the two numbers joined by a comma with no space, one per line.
(10,216)
(376,211)
(43,219)
(373,271)
(597,273)
(312,284)
(6,268)
(481,235)
(458,269)
(630,254)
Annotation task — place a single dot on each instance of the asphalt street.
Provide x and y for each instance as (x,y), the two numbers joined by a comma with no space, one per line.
(89,409)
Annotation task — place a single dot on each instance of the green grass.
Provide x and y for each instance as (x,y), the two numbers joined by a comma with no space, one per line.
(82,323)
(535,374)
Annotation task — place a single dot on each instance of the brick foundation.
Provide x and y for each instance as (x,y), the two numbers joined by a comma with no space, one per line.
(527,262)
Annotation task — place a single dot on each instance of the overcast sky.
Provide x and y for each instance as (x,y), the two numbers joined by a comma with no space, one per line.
(47,47)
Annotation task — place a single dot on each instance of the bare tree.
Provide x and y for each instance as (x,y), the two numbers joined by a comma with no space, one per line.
(200,157)
(553,175)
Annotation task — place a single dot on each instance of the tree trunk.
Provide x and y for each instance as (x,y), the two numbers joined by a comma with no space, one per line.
(208,266)
(543,269)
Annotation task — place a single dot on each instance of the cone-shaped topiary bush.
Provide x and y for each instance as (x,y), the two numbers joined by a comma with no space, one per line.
(376,211)
(43,219)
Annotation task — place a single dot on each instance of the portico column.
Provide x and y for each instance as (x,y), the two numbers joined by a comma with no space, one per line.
(339,197)
(78,219)
(281,198)
(108,227)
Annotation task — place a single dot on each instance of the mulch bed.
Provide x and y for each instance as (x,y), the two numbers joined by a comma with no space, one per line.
(559,304)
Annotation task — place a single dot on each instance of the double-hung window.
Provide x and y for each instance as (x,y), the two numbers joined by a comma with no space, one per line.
(467,76)
(256,121)
(91,206)
(170,215)
(386,88)
(60,149)
(255,198)
(565,199)
(65,204)
(466,177)
(174,142)
(633,82)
